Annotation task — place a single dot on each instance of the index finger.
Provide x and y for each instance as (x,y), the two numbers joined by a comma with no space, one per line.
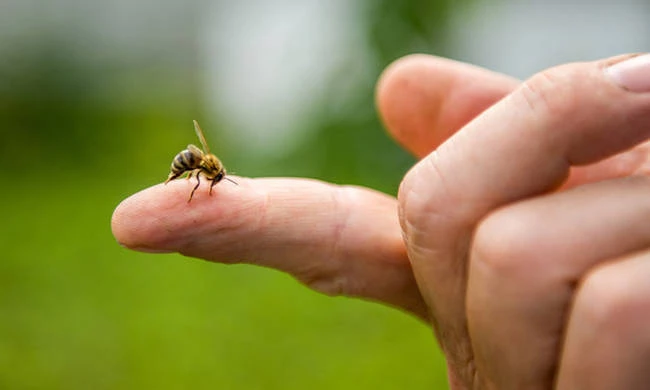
(339,240)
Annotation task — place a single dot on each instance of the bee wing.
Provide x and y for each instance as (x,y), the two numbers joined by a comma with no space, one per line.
(199,133)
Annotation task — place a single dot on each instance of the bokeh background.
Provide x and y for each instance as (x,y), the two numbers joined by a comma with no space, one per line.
(96,97)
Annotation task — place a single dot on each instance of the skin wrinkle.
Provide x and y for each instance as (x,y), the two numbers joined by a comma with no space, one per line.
(341,223)
(546,98)
(262,222)
(414,232)
(348,271)
(461,359)
(335,281)
(446,206)
(403,194)
(540,95)
(458,352)
(414,216)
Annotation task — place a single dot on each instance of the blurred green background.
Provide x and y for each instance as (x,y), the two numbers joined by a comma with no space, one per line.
(95,100)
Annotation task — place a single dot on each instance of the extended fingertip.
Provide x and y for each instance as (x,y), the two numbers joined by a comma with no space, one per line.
(160,219)
(136,220)
(117,221)
(122,224)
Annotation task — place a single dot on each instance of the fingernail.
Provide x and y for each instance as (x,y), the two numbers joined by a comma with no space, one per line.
(632,74)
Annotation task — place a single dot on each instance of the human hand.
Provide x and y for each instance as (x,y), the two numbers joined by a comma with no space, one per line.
(347,240)
(535,272)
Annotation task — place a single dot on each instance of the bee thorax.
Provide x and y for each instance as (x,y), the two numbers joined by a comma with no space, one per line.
(198,163)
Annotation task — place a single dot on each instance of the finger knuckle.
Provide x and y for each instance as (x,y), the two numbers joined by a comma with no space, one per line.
(606,300)
(420,202)
(549,93)
(504,243)
(411,202)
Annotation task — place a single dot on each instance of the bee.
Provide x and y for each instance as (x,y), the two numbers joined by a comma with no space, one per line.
(197,162)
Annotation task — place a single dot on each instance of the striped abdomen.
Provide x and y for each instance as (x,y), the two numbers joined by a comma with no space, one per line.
(187,160)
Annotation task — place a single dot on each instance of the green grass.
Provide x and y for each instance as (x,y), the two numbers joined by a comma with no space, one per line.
(77,311)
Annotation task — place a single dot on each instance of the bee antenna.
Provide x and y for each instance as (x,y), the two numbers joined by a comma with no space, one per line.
(232,181)
(199,133)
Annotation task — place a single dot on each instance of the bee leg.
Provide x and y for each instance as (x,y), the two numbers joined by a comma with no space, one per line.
(171,177)
(198,183)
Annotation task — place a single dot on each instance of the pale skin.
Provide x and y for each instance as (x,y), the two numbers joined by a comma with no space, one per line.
(523,239)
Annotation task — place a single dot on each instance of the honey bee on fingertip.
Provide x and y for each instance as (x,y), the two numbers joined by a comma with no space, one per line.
(198,162)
